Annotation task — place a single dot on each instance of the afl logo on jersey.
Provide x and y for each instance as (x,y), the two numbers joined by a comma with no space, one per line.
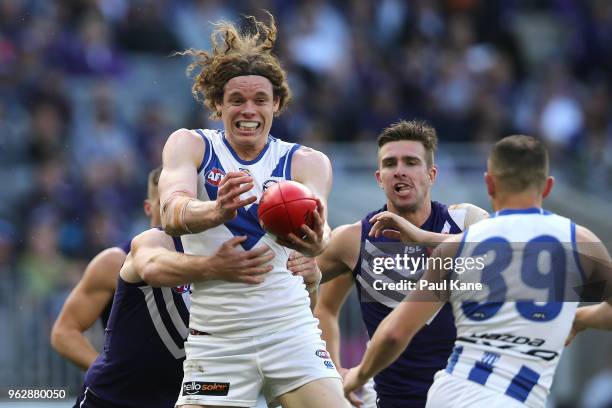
(214,176)
(268,183)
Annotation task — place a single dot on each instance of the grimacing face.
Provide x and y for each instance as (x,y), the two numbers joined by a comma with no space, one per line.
(247,110)
(403,174)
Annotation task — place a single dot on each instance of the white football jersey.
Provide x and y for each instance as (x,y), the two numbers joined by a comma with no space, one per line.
(238,309)
(514,346)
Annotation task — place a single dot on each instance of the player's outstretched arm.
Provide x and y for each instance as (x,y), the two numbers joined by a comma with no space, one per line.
(336,264)
(594,317)
(392,337)
(596,263)
(332,296)
(313,169)
(397,330)
(395,227)
(153,259)
(84,306)
(181,212)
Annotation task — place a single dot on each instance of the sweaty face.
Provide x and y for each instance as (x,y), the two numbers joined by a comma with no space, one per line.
(403,174)
(247,110)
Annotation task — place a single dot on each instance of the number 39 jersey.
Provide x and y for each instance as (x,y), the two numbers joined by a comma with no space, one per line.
(504,343)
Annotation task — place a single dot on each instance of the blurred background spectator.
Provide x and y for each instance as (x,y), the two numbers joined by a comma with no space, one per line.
(89,94)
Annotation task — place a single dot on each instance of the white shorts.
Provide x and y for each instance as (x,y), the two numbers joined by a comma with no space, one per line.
(233,372)
(368,395)
(448,391)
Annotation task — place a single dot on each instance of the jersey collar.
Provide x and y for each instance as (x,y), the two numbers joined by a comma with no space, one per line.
(512,211)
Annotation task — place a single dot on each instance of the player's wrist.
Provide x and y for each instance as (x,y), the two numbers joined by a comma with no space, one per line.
(312,287)
(319,249)
(220,215)
(361,375)
(341,370)
(208,269)
(313,279)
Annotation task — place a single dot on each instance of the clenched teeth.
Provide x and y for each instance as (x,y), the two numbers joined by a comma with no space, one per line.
(247,125)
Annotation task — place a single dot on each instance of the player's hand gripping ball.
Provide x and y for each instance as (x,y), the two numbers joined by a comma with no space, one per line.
(285,207)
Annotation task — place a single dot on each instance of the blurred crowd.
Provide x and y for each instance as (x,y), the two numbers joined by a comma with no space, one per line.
(81,122)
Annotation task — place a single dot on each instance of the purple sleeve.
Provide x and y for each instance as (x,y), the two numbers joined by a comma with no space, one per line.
(125,246)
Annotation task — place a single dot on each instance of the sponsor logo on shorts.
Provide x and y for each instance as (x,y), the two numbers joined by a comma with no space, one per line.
(214,176)
(329,364)
(322,353)
(205,388)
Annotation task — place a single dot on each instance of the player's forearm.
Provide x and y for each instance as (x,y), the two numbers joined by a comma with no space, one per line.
(74,346)
(396,331)
(313,295)
(430,239)
(167,269)
(385,347)
(185,215)
(330,334)
(595,316)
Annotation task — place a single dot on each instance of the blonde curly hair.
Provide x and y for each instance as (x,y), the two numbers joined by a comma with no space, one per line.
(234,54)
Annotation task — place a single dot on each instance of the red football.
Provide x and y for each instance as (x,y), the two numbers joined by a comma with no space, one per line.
(285,207)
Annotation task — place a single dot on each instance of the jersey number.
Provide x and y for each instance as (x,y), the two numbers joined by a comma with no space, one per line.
(531,275)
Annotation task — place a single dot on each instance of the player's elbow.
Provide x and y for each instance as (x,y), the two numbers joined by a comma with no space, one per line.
(396,339)
(59,336)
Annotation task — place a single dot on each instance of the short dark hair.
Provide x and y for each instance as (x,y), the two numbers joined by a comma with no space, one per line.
(519,162)
(416,130)
(153,180)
